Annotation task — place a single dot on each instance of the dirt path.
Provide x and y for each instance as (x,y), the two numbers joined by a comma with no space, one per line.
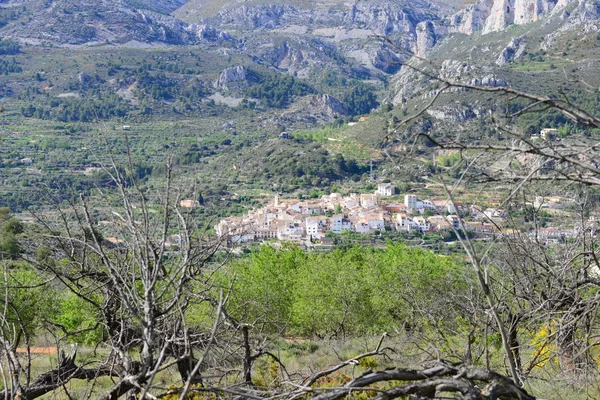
(38,350)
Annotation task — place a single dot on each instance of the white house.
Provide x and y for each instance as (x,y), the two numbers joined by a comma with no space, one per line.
(315,225)
(362,227)
(386,189)
(410,200)
(422,223)
(413,204)
(494,213)
(290,231)
(351,201)
(369,200)
(340,223)
(454,221)
(404,223)
(375,222)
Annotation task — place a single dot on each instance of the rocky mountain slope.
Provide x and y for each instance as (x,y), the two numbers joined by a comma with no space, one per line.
(306,38)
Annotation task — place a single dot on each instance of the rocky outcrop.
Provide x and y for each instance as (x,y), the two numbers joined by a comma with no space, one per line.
(387,60)
(453,114)
(507,12)
(160,6)
(489,81)
(206,32)
(328,105)
(95,22)
(502,14)
(472,18)
(495,15)
(530,11)
(383,17)
(288,57)
(379,16)
(426,38)
(255,17)
(233,78)
(512,51)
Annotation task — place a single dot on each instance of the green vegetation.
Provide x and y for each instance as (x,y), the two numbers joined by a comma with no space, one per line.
(79,110)
(351,292)
(361,99)
(9,67)
(8,47)
(279,91)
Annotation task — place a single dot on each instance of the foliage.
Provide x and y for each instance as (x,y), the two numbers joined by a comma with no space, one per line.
(345,292)
(73,315)
(279,91)
(9,66)
(78,110)
(30,301)
(9,47)
(361,99)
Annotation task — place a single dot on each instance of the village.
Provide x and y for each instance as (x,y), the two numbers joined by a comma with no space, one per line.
(311,222)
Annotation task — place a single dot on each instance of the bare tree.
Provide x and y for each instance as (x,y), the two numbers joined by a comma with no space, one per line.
(140,285)
(525,281)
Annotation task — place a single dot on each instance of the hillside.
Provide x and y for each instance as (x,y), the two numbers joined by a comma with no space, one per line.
(241,75)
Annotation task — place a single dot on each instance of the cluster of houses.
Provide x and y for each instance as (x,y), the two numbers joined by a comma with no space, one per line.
(311,220)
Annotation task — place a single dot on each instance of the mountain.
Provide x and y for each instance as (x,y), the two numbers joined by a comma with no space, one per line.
(229,76)
(67,22)
(297,37)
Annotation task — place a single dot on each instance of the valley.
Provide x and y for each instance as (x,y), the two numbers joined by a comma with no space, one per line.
(285,199)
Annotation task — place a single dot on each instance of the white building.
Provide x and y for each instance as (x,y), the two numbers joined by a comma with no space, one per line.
(454,221)
(290,231)
(386,189)
(375,222)
(340,223)
(362,227)
(351,201)
(315,225)
(422,223)
(404,223)
(369,200)
(410,200)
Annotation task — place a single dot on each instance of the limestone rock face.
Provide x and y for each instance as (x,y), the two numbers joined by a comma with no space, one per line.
(530,10)
(472,18)
(288,57)
(255,17)
(495,15)
(502,14)
(453,114)
(331,106)
(489,81)
(211,34)
(426,38)
(387,60)
(384,18)
(512,51)
(233,78)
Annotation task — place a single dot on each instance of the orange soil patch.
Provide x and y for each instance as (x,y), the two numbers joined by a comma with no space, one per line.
(38,350)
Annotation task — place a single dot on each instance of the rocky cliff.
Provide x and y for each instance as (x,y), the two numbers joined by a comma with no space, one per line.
(233,78)
(302,38)
(95,22)
(495,15)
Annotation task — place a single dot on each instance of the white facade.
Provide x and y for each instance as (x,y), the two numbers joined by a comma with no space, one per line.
(386,189)
(454,221)
(340,223)
(376,223)
(361,227)
(369,200)
(422,223)
(410,201)
(290,231)
(406,224)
